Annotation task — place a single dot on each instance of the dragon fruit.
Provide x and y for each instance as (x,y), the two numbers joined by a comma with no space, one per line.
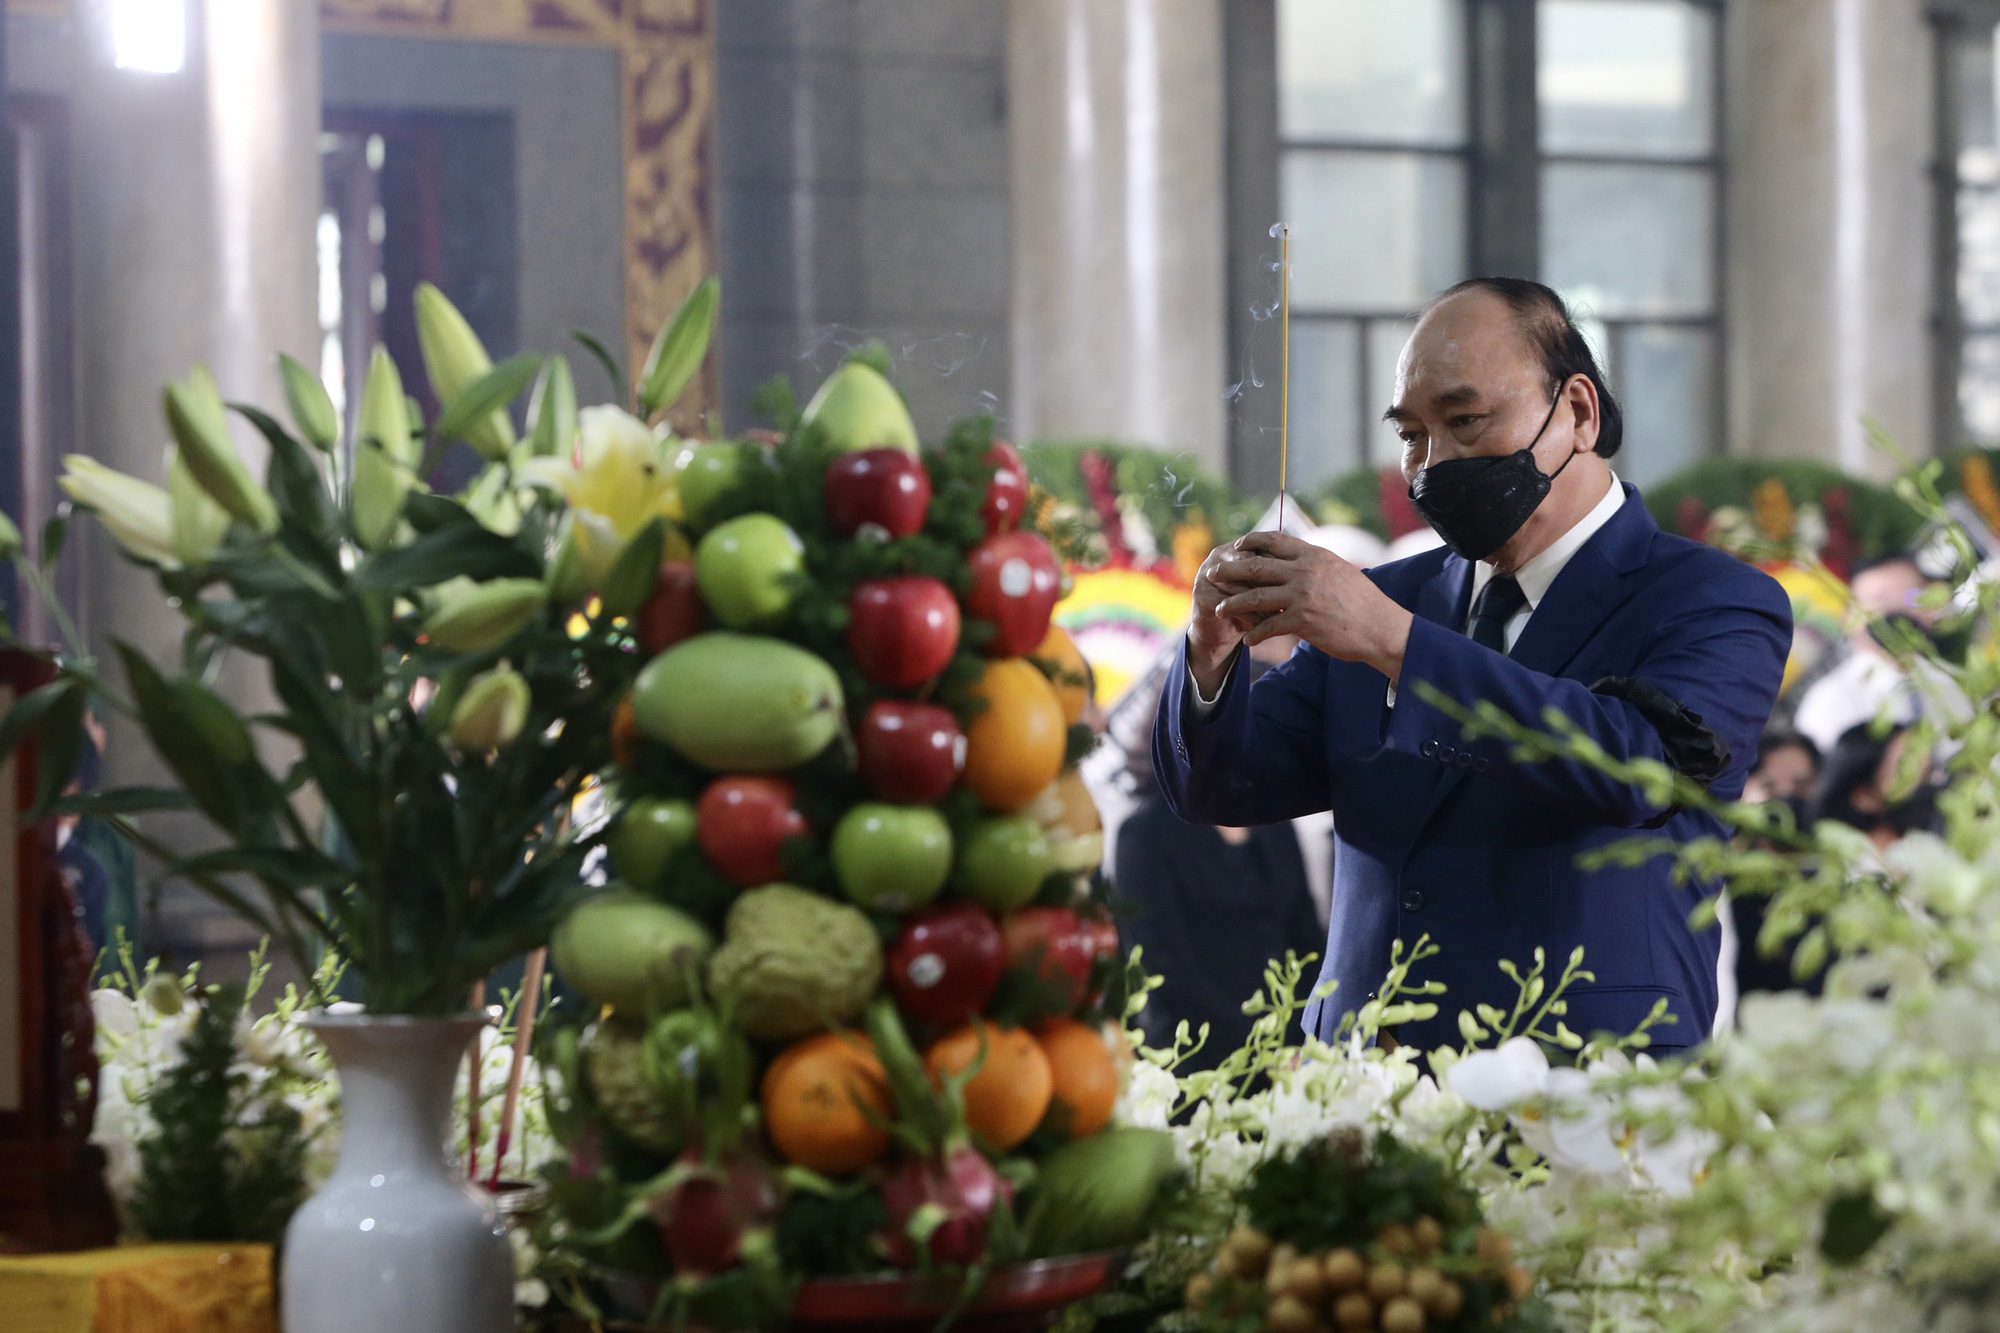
(947,1202)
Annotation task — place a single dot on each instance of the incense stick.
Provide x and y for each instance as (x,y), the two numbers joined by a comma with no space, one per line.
(1284,363)
(524,1037)
(472,1087)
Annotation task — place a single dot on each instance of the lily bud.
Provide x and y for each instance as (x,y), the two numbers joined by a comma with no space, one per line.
(312,408)
(380,486)
(10,538)
(469,617)
(455,360)
(385,418)
(199,523)
(552,409)
(201,428)
(137,512)
(492,710)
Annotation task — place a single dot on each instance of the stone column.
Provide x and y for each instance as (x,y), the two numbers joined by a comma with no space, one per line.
(1116,130)
(1828,290)
(195,197)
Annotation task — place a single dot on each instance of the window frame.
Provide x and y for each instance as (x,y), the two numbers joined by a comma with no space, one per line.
(1503,162)
(1951,20)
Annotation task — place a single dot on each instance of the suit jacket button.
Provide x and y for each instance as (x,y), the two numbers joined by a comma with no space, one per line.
(1428,749)
(1466,759)
(1413,900)
(1446,754)
(1480,765)
(1180,748)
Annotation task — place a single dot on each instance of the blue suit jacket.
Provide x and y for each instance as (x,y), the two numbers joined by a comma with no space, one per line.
(1451,837)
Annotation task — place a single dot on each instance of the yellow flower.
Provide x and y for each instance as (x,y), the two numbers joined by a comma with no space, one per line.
(623,471)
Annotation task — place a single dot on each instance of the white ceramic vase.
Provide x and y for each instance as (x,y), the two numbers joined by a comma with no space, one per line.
(397,1240)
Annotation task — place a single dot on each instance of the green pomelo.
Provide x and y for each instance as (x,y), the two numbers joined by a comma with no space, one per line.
(859,409)
(739,703)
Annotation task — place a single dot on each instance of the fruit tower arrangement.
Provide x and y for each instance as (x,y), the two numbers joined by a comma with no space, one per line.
(850,1003)
(1344,1235)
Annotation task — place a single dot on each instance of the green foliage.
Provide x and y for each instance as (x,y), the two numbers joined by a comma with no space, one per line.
(210,1172)
(1336,1192)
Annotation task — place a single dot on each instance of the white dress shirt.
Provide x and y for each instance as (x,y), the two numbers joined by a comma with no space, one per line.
(1536,577)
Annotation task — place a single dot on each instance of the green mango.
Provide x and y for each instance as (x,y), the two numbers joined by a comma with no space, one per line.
(859,409)
(739,703)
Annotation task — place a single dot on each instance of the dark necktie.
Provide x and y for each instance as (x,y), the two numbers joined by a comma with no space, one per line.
(1498,601)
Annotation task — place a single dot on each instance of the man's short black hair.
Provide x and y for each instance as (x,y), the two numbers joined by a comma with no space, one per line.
(1545,321)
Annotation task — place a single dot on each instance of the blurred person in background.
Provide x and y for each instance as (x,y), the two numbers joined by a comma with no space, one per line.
(1787,770)
(1859,789)
(1866,678)
(1211,906)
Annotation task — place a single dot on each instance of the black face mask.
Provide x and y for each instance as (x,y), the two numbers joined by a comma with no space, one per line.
(1476,504)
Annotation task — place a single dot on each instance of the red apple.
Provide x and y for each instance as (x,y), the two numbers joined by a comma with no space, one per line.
(674,611)
(886,487)
(910,752)
(1056,944)
(742,824)
(1016,582)
(902,631)
(945,964)
(1007,494)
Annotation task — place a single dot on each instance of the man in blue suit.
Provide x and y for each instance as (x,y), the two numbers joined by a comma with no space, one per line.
(1555,590)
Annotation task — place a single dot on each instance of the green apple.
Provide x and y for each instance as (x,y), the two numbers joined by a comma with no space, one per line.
(1002,862)
(891,858)
(745,569)
(710,472)
(649,835)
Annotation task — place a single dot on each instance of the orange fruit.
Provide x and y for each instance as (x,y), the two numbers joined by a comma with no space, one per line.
(1010,1094)
(1062,662)
(818,1097)
(1085,1075)
(624,733)
(1015,747)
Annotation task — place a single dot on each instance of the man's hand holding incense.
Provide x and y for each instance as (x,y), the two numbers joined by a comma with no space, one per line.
(1266,584)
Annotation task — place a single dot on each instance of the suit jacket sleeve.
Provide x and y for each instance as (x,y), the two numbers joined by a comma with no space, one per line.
(1722,656)
(1259,758)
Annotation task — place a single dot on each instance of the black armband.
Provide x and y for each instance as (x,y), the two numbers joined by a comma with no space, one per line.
(1695,750)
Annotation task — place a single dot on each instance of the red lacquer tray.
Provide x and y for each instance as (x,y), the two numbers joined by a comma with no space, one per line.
(1014,1300)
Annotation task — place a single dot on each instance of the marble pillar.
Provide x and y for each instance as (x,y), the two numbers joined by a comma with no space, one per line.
(1828,224)
(1115,112)
(195,197)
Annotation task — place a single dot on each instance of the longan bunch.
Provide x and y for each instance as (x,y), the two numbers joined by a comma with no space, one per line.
(1405,1283)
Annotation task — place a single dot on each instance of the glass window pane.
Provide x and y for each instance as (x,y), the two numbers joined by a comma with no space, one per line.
(1979,388)
(1628,241)
(1373,231)
(1666,384)
(1634,77)
(1979,256)
(1326,381)
(1375,70)
(1385,345)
